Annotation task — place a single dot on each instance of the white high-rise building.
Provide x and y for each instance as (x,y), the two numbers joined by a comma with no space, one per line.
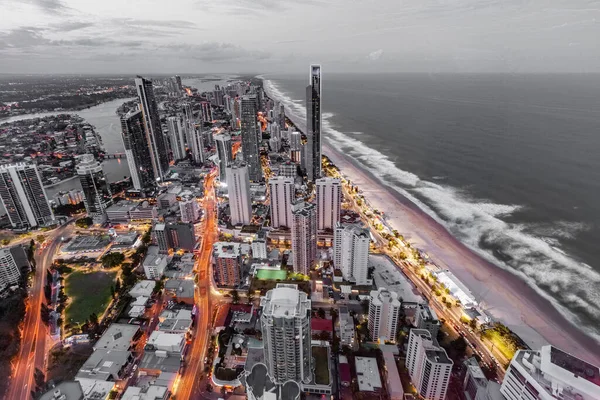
(295,141)
(282,197)
(190,210)
(351,252)
(97,196)
(285,323)
(23,196)
(384,313)
(177,131)
(225,154)
(329,202)
(304,236)
(196,144)
(428,365)
(238,186)
(10,272)
(550,374)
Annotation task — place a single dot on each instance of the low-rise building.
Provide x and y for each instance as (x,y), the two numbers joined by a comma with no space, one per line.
(104,365)
(367,374)
(143,288)
(151,392)
(181,290)
(179,321)
(154,264)
(117,337)
(346,327)
(392,377)
(66,390)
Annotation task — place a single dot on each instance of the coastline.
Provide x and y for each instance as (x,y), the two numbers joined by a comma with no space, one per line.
(503,295)
(508,299)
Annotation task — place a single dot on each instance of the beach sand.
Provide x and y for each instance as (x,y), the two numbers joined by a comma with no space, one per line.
(503,295)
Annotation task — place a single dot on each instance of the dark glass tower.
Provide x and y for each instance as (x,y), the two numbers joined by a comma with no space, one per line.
(313,124)
(251,137)
(137,150)
(159,154)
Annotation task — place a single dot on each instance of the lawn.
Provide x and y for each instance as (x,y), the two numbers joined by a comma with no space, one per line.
(88,293)
(504,343)
(271,274)
(321,365)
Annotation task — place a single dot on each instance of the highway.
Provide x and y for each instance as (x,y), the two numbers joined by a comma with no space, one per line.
(190,385)
(32,353)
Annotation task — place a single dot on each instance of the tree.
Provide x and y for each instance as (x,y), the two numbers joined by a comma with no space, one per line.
(111,260)
(235,296)
(85,222)
(365,306)
(5,242)
(118,286)
(321,313)
(40,239)
(473,324)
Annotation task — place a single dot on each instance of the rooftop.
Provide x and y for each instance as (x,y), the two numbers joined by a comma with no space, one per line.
(117,337)
(433,351)
(226,250)
(180,288)
(367,374)
(285,301)
(389,277)
(152,392)
(70,389)
(104,365)
(321,324)
(143,288)
(394,383)
(158,362)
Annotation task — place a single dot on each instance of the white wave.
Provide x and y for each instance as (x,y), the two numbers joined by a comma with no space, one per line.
(565,282)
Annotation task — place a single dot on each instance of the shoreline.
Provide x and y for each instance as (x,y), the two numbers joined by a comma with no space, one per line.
(504,295)
(509,299)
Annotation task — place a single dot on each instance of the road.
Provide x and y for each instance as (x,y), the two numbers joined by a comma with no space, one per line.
(32,353)
(452,315)
(191,386)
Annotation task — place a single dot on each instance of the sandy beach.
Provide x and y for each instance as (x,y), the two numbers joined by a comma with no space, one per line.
(502,294)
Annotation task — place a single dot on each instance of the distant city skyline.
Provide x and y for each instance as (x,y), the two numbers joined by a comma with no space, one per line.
(37,36)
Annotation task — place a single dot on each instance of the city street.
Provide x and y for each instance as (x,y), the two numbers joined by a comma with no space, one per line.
(32,353)
(190,385)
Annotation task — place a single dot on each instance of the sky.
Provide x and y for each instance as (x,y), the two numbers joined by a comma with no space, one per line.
(270,36)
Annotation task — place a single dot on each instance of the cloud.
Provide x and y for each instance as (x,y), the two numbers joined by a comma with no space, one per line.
(375,55)
(70,26)
(48,6)
(152,23)
(215,52)
(24,37)
(245,7)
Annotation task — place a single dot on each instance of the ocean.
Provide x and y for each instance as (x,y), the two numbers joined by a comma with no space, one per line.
(509,164)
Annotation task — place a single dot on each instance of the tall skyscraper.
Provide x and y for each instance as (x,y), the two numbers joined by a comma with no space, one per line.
(295,141)
(225,154)
(384,313)
(237,113)
(428,365)
(228,263)
(196,144)
(550,373)
(207,115)
(12,261)
(137,150)
(304,236)
(285,323)
(97,196)
(329,202)
(250,137)
(282,197)
(238,187)
(23,196)
(176,128)
(152,126)
(351,252)
(313,124)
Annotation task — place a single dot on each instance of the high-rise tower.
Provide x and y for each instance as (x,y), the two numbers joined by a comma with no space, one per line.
(304,236)
(23,196)
(176,128)
(238,187)
(313,124)
(329,202)
(97,196)
(285,325)
(154,135)
(282,194)
(225,154)
(250,137)
(137,150)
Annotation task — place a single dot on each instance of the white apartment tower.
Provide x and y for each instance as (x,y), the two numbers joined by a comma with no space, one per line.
(304,236)
(282,197)
(285,323)
(550,374)
(23,196)
(428,365)
(10,273)
(384,313)
(176,128)
(238,186)
(351,252)
(329,202)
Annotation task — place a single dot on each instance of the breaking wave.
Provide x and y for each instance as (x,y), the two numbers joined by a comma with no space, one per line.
(531,251)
